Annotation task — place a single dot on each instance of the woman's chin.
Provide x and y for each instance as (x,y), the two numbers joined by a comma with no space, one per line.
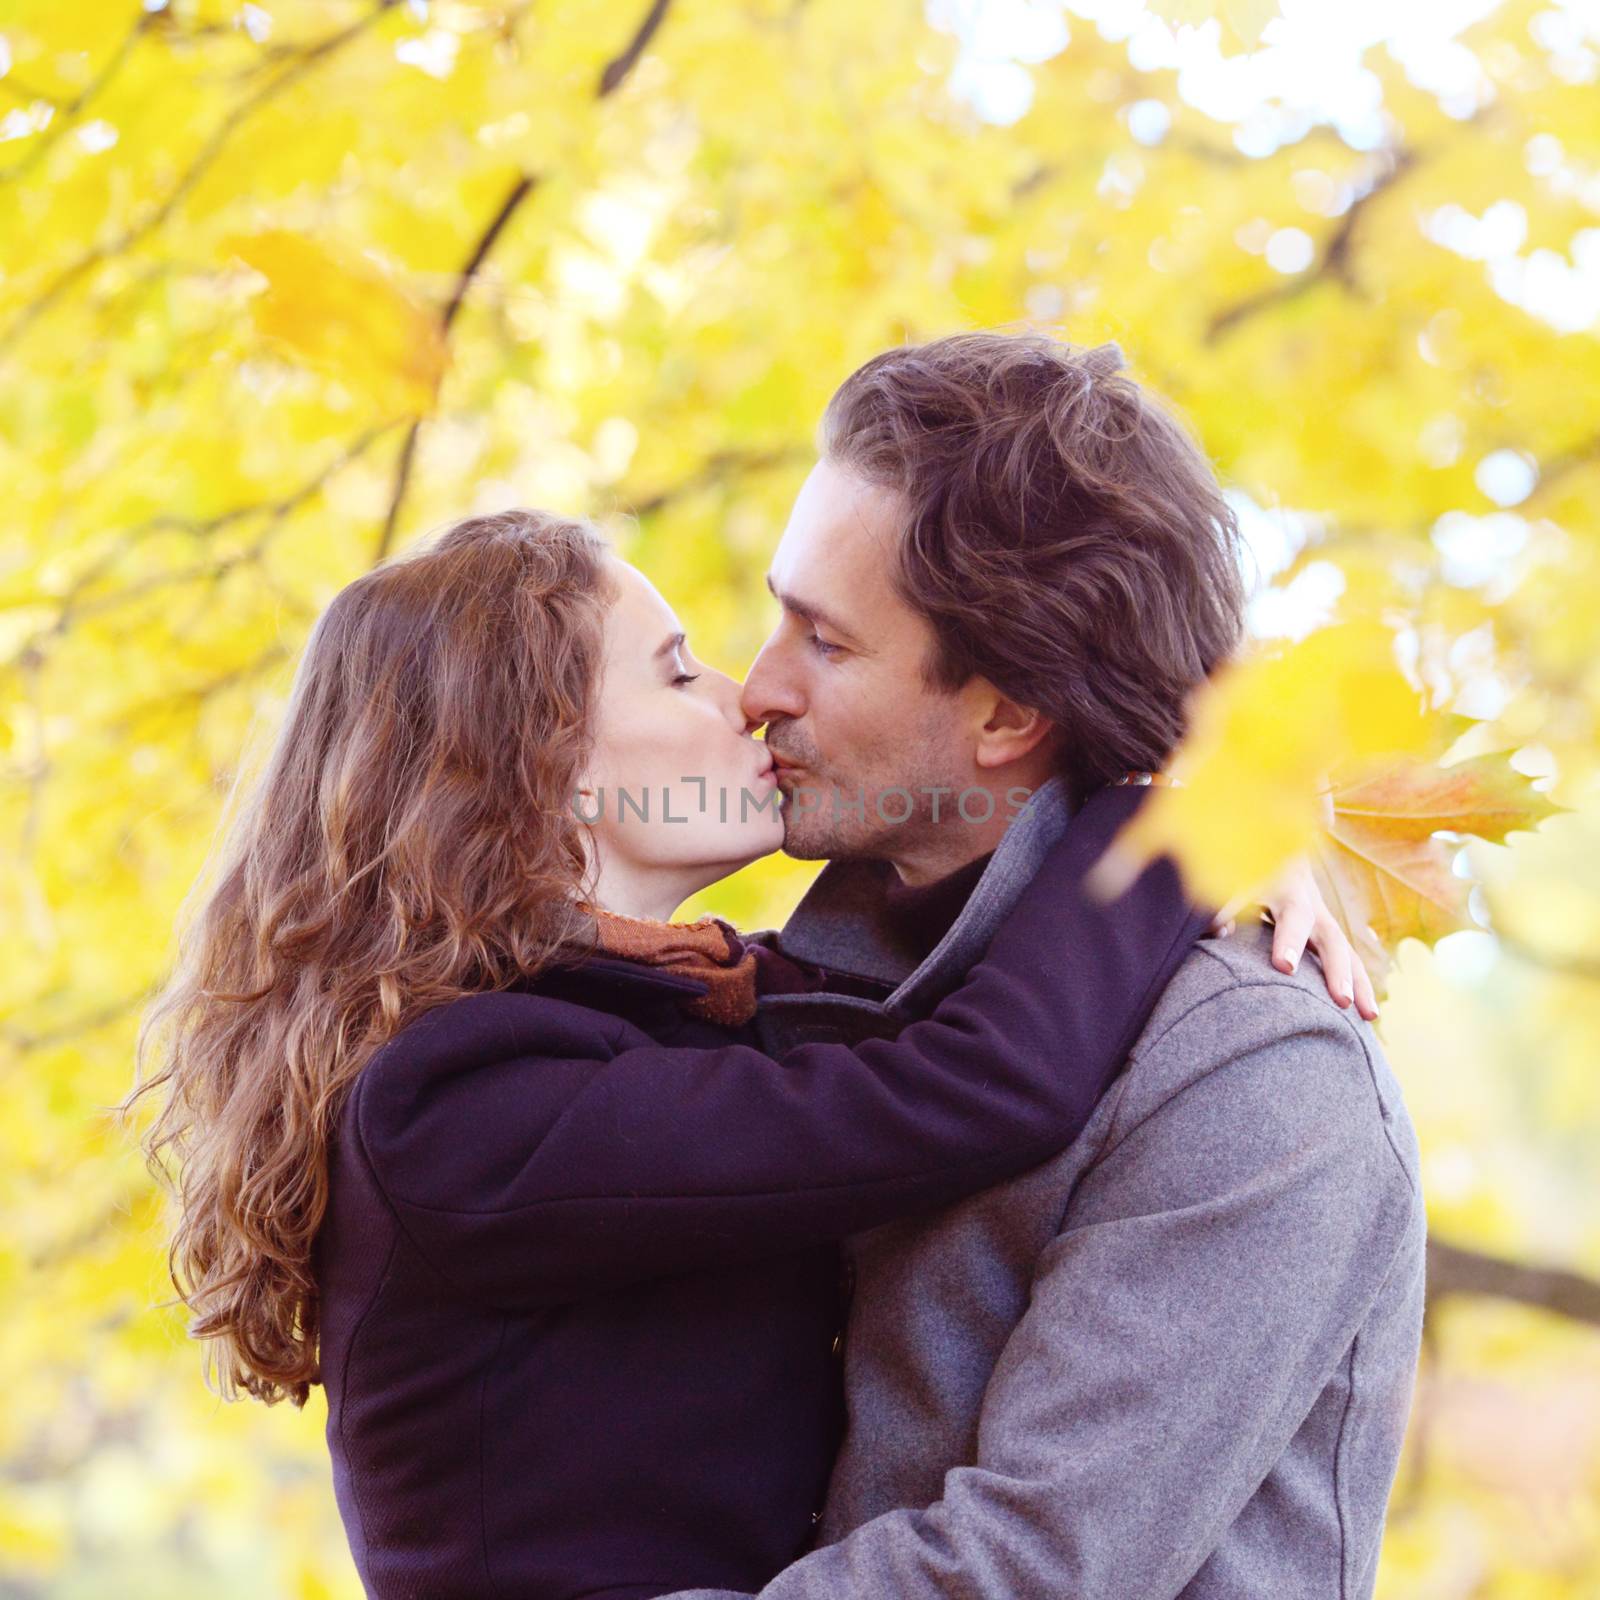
(742,853)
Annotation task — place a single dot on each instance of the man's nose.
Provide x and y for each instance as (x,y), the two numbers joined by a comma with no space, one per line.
(769,691)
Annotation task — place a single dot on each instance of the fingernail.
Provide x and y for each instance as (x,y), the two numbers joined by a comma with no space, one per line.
(1342,998)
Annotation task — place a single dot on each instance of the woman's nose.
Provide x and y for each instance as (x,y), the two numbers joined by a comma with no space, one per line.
(728,697)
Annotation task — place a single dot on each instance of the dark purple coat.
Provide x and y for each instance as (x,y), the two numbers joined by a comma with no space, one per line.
(580,1304)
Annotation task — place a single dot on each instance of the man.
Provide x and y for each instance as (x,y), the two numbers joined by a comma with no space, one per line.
(1177,1358)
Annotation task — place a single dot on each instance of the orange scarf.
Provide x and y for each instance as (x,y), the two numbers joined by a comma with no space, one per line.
(705,950)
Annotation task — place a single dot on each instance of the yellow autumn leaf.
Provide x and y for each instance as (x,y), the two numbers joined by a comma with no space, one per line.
(341,315)
(1265,736)
(1484,795)
(1386,861)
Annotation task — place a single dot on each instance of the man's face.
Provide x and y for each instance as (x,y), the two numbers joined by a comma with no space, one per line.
(850,720)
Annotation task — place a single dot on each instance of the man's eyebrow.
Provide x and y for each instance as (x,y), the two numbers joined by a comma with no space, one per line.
(668,645)
(811,612)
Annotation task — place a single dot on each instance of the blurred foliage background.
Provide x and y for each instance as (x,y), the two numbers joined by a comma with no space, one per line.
(284,285)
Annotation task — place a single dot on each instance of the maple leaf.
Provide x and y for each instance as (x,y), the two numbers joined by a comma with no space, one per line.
(1386,860)
(339,313)
(1265,733)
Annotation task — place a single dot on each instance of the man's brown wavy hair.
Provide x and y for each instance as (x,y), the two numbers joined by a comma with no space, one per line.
(410,840)
(1063,534)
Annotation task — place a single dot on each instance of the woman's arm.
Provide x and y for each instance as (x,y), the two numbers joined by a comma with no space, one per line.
(529,1173)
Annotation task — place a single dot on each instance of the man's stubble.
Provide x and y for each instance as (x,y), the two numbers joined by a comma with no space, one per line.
(853,813)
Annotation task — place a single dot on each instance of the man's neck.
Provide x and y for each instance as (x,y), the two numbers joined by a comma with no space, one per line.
(953,842)
(948,848)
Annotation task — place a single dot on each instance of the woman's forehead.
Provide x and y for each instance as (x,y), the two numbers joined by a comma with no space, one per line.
(640,619)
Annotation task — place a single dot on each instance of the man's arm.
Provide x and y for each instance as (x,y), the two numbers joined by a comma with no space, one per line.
(1215,1264)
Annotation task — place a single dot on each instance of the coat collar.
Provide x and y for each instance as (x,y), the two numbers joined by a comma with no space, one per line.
(839,924)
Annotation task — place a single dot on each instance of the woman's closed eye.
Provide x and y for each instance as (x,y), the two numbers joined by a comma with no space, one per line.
(822,646)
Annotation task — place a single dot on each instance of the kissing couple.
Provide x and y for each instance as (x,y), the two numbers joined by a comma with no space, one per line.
(967,1238)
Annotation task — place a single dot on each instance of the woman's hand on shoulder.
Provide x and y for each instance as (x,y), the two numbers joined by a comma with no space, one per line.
(1300,917)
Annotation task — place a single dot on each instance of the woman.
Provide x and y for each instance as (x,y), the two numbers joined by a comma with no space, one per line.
(473,1135)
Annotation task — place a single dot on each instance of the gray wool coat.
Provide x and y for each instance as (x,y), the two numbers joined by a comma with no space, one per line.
(1174,1360)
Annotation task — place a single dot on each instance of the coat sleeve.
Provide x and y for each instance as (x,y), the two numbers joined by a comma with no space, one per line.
(530,1173)
(1212,1274)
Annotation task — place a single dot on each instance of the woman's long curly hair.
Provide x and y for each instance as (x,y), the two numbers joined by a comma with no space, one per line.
(411,839)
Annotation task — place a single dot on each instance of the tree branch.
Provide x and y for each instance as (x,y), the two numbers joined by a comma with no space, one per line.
(611,79)
(519,191)
(486,242)
(12,85)
(617,69)
(1454,1270)
(1564,463)
(1334,263)
(22,1042)
(196,694)
(67,115)
(719,465)
(76,602)
(70,275)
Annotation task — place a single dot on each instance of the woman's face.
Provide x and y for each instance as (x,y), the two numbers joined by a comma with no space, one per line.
(677,794)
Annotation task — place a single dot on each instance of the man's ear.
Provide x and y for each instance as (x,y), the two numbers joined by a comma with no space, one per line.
(1007,730)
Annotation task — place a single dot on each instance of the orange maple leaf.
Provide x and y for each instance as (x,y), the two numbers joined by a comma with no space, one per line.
(1386,860)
